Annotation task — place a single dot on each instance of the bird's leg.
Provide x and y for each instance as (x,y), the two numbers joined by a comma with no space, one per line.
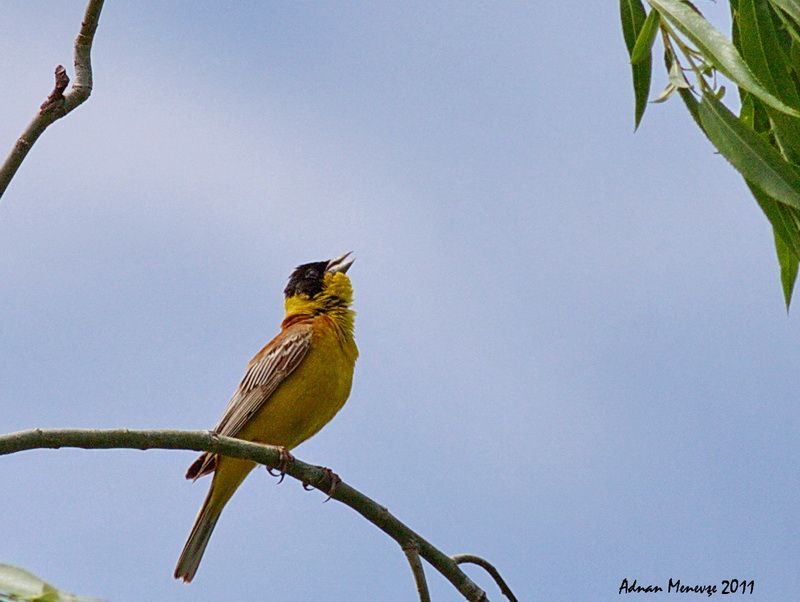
(286,459)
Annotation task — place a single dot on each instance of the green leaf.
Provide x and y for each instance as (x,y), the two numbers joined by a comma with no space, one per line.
(751,155)
(791,28)
(792,8)
(747,113)
(785,222)
(788,262)
(691,104)
(763,52)
(19,584)
(645,39)
(717,49)
(633,18)
(784,27)
(754,114)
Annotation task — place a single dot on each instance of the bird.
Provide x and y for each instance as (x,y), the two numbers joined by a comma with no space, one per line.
(291,388)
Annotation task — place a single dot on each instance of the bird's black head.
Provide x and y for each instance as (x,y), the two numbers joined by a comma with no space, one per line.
(309,279)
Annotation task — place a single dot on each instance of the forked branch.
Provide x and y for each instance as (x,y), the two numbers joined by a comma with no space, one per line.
(267,455)
(411,550)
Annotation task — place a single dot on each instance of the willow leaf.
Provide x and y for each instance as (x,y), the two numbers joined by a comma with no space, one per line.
(718,50)
(633,18)
(788,262)
(755,158)
(792,8)
(785,222)
(645,39)
(762,50)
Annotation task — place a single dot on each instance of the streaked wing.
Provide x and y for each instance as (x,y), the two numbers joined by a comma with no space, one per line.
(264,373)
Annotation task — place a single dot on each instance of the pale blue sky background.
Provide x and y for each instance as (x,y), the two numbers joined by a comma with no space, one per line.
(575,357)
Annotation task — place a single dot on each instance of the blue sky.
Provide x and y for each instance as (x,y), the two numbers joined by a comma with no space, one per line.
(575,359)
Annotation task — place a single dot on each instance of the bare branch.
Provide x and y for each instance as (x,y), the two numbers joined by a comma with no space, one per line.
(472,559)
(58,104)
(412,553)
(267,455)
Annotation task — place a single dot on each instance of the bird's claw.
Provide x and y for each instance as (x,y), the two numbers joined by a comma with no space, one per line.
(286,459)
(335,480)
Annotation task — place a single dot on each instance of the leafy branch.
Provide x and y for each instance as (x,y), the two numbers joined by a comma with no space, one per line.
(413,544)
(762,58)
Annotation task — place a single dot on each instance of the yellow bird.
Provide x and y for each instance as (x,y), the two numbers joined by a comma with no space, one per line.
(291,388)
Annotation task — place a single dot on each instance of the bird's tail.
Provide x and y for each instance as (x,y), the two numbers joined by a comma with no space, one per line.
(222,488)
(198,538)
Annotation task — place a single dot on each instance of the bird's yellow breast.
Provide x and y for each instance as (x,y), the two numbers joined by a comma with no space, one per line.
(312,394)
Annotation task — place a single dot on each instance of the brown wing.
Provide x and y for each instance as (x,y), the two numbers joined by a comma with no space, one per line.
(265,372)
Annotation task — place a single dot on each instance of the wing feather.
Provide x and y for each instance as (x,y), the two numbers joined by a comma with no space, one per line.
(265,372)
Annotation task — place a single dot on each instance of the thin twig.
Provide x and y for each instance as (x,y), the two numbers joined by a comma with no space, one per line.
(472,559)
(58,104)
(262,454)
(412,553)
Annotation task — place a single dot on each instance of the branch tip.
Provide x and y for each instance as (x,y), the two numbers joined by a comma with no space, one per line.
(489,568)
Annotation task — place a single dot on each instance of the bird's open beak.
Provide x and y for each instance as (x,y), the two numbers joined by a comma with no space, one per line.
(340,264)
